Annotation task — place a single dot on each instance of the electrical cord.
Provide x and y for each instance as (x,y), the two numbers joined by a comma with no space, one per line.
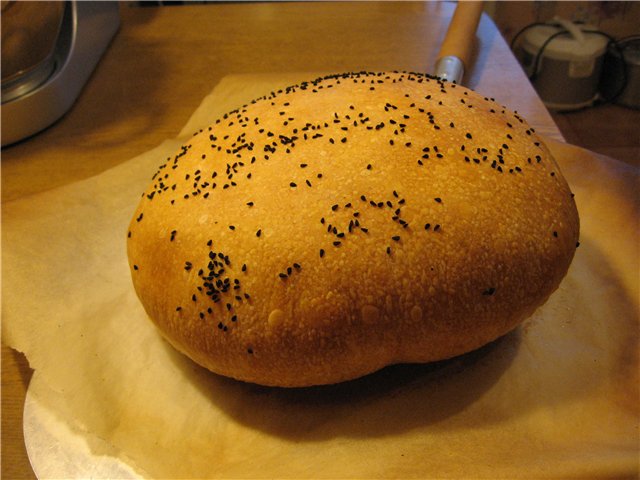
(611,44)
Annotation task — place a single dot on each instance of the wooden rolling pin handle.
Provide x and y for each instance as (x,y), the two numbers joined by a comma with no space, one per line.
(458,41)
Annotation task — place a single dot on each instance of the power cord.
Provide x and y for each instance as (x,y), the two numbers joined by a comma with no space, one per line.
(611,44)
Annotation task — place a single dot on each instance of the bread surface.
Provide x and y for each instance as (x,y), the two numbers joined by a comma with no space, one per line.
(343,224)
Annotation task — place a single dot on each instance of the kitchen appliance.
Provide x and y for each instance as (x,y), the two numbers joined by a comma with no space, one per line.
(45,68)
(564,62)
(621,73)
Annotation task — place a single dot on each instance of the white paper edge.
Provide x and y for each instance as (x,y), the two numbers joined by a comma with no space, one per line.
(55,451)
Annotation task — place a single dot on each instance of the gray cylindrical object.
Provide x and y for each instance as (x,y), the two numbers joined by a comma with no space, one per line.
(623,87)
(569,66)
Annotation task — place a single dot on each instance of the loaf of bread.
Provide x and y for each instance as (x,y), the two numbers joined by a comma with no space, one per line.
(347,223)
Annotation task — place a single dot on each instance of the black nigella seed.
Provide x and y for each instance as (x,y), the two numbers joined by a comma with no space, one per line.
(135,267)
(438,199)
(321,253)
(489,291)
(258,233)
(555,234)
(468,135)
(396,238)
(292,185)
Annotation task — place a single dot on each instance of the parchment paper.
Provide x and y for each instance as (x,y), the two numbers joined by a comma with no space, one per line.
(558,397)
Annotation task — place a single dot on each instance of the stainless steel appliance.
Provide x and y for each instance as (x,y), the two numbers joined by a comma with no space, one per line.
(49,51)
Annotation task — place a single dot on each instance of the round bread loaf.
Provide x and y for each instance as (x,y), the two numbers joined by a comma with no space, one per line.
(347,223)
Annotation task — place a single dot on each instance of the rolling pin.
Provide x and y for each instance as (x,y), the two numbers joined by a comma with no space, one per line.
(456,51)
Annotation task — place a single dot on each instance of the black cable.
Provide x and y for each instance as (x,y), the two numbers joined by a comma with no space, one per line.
(611,44)
(538,56)
(522,30)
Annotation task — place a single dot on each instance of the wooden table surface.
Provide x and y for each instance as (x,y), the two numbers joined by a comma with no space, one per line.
(164,60)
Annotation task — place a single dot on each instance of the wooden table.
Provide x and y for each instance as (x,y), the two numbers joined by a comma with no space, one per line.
(165,60)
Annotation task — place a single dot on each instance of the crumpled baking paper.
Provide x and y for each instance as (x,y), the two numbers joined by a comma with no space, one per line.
(558,397)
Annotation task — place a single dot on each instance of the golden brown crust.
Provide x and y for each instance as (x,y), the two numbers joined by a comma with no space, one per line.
(355,221)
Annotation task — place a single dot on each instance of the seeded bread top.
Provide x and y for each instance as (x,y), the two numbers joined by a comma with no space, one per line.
(343,224)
